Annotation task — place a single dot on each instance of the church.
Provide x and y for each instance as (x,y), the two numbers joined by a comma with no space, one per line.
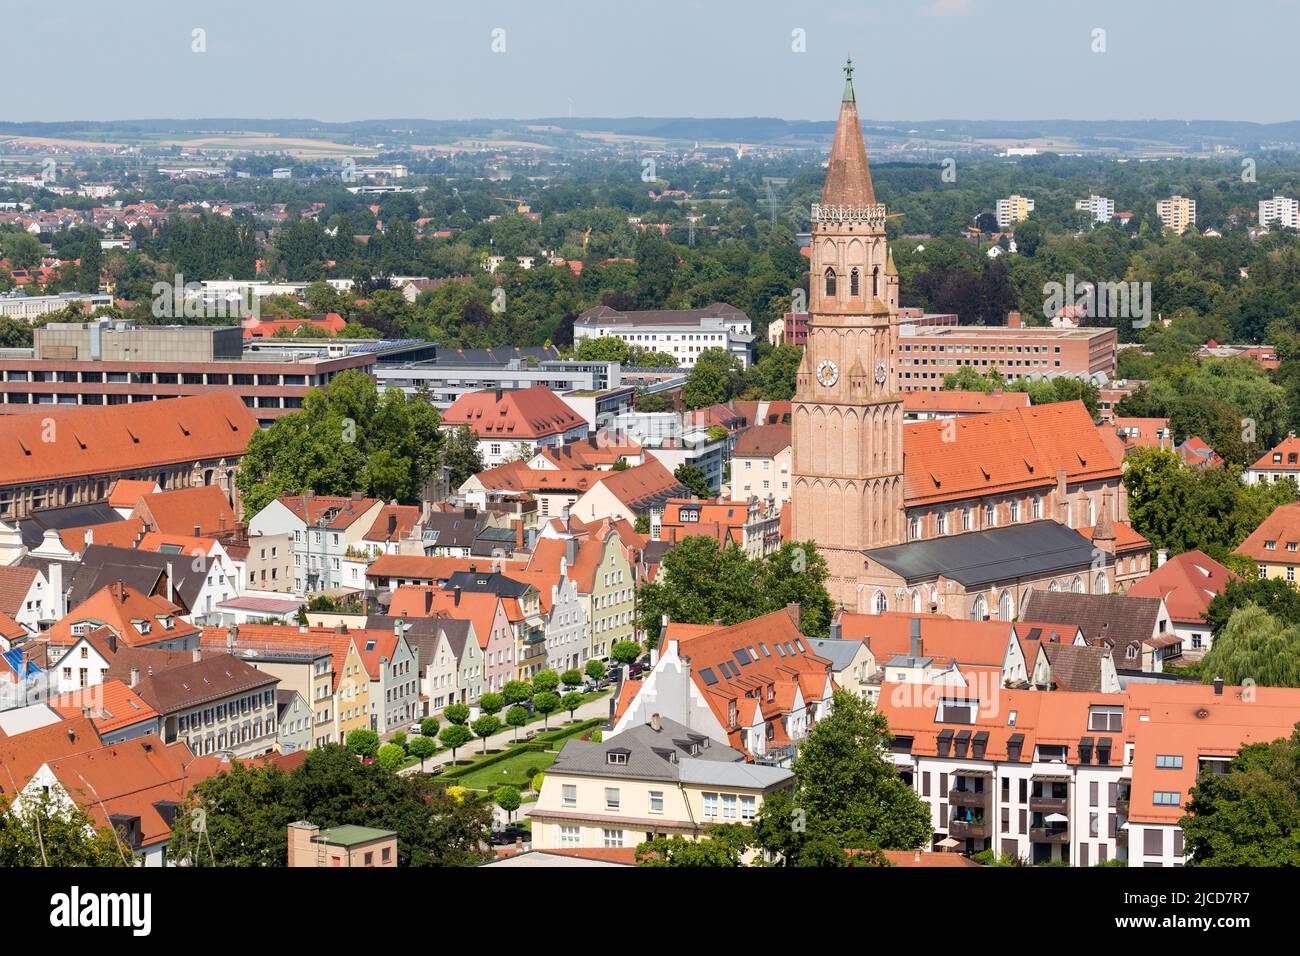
(964,517)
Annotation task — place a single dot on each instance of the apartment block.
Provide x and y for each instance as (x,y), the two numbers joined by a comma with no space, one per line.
(1012,210)
(1177,213)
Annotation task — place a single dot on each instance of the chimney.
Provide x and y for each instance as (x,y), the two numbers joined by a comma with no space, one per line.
(221,522)
(793,611)
(197,655)
(455,595)
(1013,320)
(198,531)
(1218,687)
(341,627)
(916,637)
(656,724)
(54,576)
(519,534)
(135,676)
(1162,555)
(232,637)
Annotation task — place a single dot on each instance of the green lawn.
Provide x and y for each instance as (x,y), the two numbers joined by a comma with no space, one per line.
(513,771)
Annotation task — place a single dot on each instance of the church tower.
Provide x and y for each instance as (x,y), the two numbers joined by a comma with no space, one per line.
(848,414)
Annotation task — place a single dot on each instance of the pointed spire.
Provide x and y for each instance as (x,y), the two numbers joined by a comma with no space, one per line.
(848,177)
(890,268)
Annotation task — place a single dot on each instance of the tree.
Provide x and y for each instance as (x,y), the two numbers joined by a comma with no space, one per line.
(508,800)
(1249,816)
(1254,647)
(694,479)
(715,378)
(546,703)
(699,582)
(246,812)
(571,702)
(456,713)
(485,727)
(625,652)
(43,831)
(1275,595)
(595,670)
(346,438)
(545,680)
(516,691)
(676,851)
(572,678)
(538,779)
(517,717)
(429,726)
(460,455)
(363,743)
(423,747)
(391,756)
(847,792)
(453,737)
(491,703)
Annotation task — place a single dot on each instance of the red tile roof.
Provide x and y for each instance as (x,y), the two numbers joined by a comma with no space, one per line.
(526,413)
(111,705)
(762,441)
(23,754)
(15,583)
(954,459)
(203,507)
(1280,529)
(340,511)
(109,439)
(125,610)
(963,403)
(1188,583)
(1288,449)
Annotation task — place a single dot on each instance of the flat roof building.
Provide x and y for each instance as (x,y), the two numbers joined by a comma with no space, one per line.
(116,362)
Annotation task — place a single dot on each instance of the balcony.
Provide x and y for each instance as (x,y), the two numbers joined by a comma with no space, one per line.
(1055,834)
(968,798)
(1048,804)
(974,829)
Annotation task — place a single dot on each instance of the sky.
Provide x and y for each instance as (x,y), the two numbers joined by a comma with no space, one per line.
(436,59)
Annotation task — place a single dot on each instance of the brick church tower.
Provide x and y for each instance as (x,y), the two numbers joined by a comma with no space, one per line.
(848,414)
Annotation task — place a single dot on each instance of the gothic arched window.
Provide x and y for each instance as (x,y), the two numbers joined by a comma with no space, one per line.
(881,603)
(855,288)
(1005,605)
(875,281)
(830,283)
(979,609)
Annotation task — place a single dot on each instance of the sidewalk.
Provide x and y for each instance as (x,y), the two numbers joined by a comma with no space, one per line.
(593,708)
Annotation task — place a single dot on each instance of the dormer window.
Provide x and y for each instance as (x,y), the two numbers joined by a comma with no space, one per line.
(616,757)
(1270,545)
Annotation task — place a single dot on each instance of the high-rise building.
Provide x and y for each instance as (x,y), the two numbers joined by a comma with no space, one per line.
(1099,207)
(1012,210)
(1285,211)
(1177,213)
(848,414)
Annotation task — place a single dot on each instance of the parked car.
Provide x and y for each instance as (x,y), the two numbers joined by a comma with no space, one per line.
(636,669)
(413,730)
(509,835)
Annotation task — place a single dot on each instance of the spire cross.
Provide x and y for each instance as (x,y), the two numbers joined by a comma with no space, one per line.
(848,69)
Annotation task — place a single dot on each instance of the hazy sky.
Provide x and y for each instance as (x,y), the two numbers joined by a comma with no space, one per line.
(916,59)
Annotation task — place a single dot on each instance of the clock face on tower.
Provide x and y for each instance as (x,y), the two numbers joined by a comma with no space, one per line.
(881,372)
(827,373)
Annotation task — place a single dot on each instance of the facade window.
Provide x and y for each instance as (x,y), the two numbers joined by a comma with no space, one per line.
(830,283)
(570,795)
(656,801)
(710,806)
(965,518)
(1169,761)
(613,839)
(854,284)
(1166,798)
(570,836)
(941,522)
(611,798)
(748,807)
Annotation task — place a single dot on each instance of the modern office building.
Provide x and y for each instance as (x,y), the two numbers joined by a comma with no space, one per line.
(681,333)
(29,307)
(927,353)
(116,362)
